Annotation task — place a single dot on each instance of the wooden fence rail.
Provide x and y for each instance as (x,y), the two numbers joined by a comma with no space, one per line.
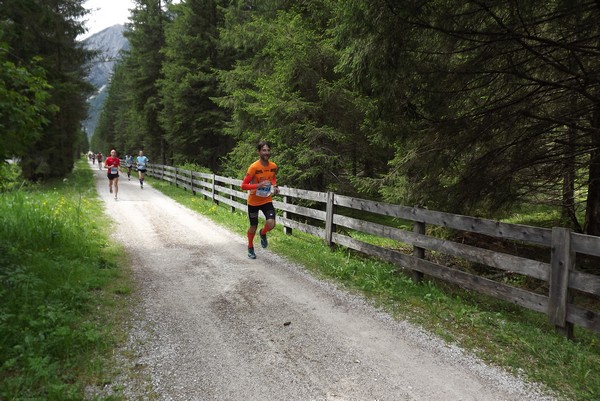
(322,219)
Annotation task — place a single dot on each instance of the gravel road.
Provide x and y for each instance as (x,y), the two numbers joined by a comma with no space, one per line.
(211,324)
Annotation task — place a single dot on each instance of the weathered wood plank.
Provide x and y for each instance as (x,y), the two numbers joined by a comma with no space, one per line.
(312,230)
(300,210)
(232,203)
(203,184)
(232,198)
(515,264)
(329,211)
(585,282)
(227,180)
(231,191)
(501,291)
(534,235)
(418,251)
(562,263)
(586,244)
(386,209)
(207,176)
(286,230)
(304,194)
(493,228)
(203,192)
(583,317)
(184,173)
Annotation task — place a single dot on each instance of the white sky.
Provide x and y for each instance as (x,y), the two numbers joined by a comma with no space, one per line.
(105,13)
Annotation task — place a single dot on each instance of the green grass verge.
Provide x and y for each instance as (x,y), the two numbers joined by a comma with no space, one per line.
(62,291)
(500,333)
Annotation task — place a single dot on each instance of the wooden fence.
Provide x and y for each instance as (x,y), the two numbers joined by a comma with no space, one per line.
(560,274)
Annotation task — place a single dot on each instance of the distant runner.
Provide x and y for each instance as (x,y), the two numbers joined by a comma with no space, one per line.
(142,161)
(129,165)
(112,164)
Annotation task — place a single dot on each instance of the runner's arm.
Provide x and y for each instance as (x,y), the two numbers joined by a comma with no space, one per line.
(246,183)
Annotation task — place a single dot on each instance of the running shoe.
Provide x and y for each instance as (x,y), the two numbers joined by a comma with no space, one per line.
(110,189)
(251,253)
(263,240)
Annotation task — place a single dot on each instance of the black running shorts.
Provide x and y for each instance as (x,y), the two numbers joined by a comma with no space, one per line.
(268,210)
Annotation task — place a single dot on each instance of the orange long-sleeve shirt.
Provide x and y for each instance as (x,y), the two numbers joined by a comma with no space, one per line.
(257,173)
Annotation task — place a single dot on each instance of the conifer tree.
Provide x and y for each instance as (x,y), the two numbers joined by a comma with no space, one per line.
(500,100)
(144,63)
(42,34)
(191,120)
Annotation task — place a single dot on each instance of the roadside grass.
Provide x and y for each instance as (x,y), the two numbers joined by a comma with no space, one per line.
(500,333)
(62,291)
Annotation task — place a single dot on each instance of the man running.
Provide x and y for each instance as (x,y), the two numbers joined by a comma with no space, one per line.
(129,165)
(142,161)
(260,182)
(112,164)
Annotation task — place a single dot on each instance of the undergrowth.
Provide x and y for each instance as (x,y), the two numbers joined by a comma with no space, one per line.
(60,286)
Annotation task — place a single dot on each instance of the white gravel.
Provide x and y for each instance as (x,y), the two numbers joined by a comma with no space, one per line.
(211,324)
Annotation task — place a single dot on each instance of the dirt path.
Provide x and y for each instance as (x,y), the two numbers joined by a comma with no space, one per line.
(213,325)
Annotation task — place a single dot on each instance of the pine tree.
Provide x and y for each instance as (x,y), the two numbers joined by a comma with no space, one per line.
(144,63)
(191,120)
(42,34)
(488,92)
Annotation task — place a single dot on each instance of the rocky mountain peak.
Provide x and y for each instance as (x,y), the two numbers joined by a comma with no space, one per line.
(108,43)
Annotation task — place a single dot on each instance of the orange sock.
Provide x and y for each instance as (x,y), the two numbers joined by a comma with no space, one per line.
(250,239)
(264,230)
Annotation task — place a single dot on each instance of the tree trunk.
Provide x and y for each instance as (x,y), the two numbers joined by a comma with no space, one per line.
(568,193)
(592,218)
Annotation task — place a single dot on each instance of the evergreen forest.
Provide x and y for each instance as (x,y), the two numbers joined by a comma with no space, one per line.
(471,107)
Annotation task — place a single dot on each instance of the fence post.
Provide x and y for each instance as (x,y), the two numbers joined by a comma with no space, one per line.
(418,252)
(192,183)
(176,172)
(232,198)
(214,189)
(286,230)
(561,264)
(329,226)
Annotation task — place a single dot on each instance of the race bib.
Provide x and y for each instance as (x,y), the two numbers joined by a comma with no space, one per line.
(263,192)
(114,170)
